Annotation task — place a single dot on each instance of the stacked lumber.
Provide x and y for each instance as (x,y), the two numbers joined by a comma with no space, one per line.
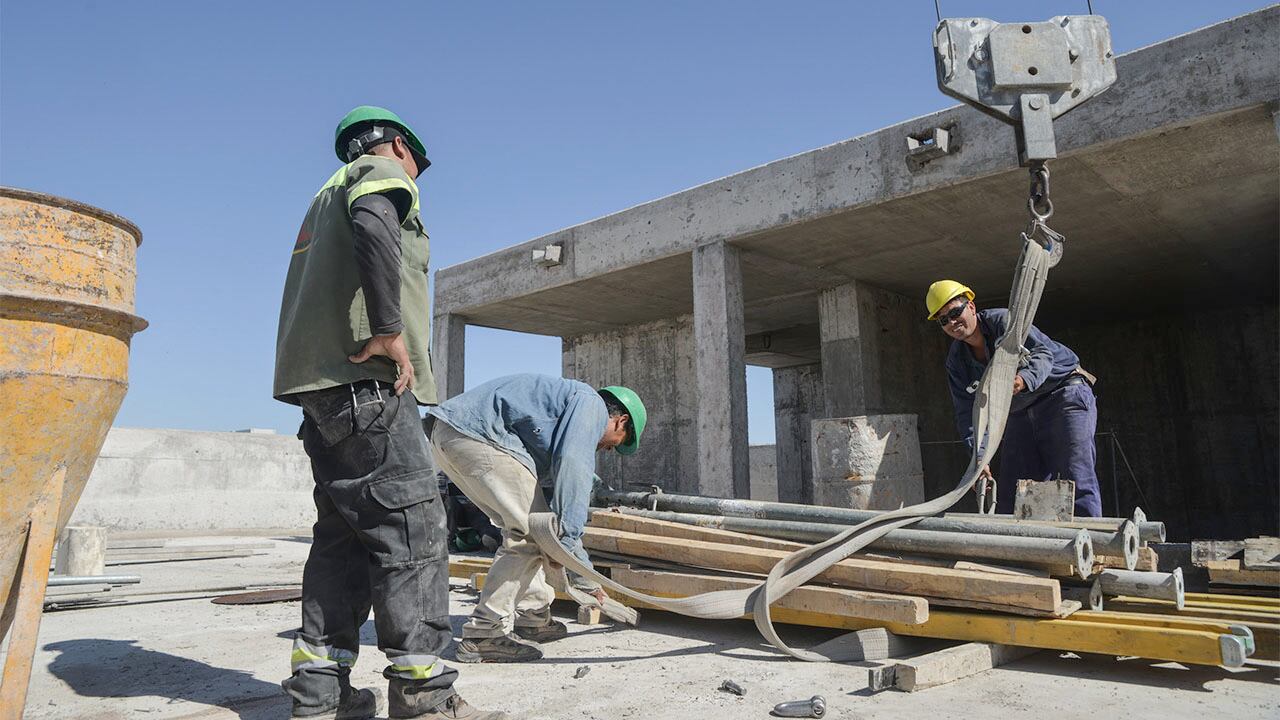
(998,608)
(1254,562)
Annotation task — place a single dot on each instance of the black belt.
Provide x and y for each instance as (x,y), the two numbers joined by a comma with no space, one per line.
(1076,379)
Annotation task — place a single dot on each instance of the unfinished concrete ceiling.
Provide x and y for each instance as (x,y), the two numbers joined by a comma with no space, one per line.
(1190,211)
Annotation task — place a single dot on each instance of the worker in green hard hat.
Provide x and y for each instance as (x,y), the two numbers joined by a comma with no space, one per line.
(498,442)
(352,352)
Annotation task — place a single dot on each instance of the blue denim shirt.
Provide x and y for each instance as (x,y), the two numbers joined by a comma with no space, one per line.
(1045,366)
(551,425)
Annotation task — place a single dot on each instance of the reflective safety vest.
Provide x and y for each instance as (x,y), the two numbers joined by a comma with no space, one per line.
(323,318)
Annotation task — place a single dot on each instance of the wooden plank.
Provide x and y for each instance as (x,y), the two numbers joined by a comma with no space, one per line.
(1261,553)
(1033,593)
(1203,551)
(662,528)
(1198,647)
(954,663)
(1148,561)
(838,601)
(1230,572)
(1269,600)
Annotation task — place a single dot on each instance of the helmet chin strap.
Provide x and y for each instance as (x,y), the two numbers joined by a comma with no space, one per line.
(361,143)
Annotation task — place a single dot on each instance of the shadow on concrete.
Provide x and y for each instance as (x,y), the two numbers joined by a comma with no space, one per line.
(119,668)
(1138,671)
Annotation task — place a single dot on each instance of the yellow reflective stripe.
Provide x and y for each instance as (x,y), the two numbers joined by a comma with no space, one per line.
(414,672)
(369,187)
(306,655)
(338,178)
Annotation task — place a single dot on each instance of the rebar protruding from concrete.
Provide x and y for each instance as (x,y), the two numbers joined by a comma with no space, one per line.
(814,707)
(1122,543)
(1154,585)
(1076,552)
(60,580)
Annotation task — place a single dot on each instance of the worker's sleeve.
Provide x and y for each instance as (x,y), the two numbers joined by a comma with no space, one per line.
(1039,361)
(573,465)
(958,384)
(376,227)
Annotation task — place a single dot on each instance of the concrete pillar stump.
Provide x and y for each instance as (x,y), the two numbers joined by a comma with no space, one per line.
(867,462)
(82,550)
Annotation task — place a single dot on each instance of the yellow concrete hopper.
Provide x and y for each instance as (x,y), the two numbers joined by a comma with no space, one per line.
(66,316)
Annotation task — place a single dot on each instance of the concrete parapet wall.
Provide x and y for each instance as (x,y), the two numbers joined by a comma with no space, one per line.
(148,479)
(867,462)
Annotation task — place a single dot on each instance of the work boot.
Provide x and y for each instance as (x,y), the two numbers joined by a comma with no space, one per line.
(359,704)
(410,702)
(504,649)
(551,630)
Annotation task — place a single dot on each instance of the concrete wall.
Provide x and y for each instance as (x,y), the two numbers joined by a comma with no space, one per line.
(764,472)
(176,479)
(655,360)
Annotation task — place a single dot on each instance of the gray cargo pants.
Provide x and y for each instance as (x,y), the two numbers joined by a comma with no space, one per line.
(379,541)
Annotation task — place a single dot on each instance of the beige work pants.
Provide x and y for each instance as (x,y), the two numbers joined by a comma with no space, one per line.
(516,591)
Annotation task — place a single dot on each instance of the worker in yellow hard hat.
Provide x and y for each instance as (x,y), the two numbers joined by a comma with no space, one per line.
(1054,414)
(352,353)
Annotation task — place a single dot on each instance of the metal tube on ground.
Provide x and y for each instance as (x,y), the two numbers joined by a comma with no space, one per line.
(1123,543)
(1148,530)
(1077,551)
(60,580)
(1153,585)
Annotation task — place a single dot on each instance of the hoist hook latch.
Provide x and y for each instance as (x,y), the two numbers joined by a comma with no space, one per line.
(1026,74)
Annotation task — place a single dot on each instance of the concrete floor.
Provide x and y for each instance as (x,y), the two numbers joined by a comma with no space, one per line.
(163,657)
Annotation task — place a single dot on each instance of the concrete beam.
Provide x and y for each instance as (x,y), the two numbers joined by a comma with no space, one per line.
(449,355)
(797,399)
(1159,86)
(721,371)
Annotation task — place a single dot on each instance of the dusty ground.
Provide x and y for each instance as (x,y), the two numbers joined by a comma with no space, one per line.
(158,657)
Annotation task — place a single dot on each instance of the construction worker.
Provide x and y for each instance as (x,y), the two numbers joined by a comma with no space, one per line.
(1054,414)
(351,350)
(497,442)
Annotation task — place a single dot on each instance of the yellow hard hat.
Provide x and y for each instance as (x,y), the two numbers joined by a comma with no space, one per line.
(943,292)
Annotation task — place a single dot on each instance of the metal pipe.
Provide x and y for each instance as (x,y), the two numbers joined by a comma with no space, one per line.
(60,580)
(1148,530)
(1076,552)
(1090,596)
(1122,543)
(1154,585)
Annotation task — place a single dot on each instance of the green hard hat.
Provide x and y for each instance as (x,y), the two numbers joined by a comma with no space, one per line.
(635,409)
(375,114)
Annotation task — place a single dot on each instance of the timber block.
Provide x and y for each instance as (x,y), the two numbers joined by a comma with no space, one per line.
(588,615)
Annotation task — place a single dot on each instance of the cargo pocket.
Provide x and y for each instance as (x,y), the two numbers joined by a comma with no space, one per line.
(413,527)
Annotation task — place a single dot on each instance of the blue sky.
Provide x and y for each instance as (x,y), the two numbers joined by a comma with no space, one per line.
(209,124)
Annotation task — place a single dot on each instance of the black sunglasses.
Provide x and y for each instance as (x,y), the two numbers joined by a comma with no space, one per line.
(945,318)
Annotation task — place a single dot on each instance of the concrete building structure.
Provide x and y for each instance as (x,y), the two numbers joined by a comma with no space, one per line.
(816,265)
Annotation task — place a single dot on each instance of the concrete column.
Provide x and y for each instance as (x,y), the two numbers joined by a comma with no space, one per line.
(868,462)
(597,361)
(720,368)
(797,399)
(843,372)
(449,354)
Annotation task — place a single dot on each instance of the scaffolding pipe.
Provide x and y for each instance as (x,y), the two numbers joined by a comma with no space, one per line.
(1148,530)
(61,580)
(1153,585)
(1122,543)
(1076,552)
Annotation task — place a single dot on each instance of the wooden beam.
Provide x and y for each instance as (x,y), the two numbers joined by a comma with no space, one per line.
(649,526)
(945,666)
(1201,645)
(824,600)
(1027,592)
(1230,572)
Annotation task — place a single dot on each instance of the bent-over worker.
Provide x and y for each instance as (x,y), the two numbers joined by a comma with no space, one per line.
(1054,414)
(351,350)
(497,442)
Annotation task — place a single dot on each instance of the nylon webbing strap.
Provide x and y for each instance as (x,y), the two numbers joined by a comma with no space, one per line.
(990,412)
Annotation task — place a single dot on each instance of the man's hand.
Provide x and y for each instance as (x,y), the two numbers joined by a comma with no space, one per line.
(984,474)
(389,346)
(600,596)
(1018,384)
